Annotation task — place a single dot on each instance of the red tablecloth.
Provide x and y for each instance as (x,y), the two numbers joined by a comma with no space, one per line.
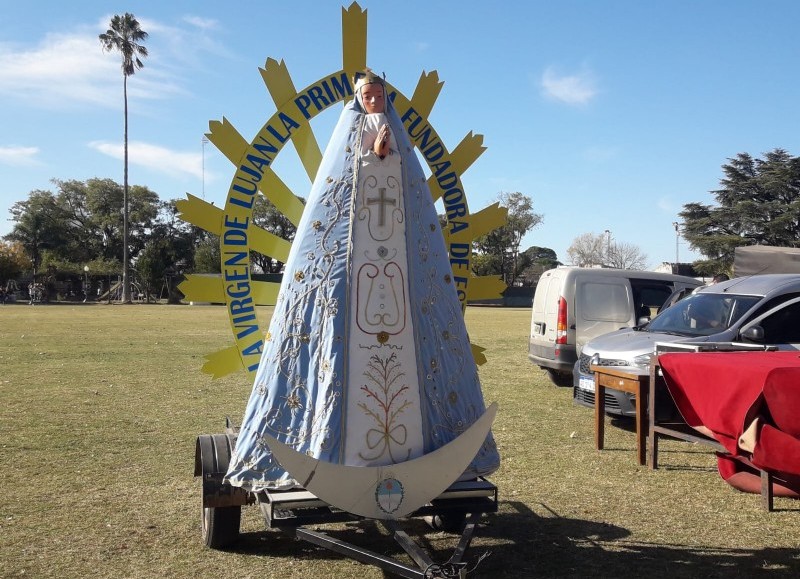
(724,391)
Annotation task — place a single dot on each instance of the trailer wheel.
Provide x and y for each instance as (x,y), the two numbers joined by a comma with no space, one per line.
(450,522)
(220,526)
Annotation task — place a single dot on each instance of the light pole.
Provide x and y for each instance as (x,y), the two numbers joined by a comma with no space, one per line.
(677,238)
(608,247)
(204,140)
(85,283)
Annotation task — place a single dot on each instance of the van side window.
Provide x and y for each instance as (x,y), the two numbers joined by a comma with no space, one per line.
(604,302)
(783,327)
(768,305)
(648,296)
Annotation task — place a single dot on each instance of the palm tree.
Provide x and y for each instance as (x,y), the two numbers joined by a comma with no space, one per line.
(125,36)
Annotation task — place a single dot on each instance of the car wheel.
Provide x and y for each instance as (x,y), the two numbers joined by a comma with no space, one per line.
(562,379)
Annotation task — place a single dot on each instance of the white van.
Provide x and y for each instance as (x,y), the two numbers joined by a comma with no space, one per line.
(572,305)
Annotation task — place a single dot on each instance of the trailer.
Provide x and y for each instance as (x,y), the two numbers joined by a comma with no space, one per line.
(458,509)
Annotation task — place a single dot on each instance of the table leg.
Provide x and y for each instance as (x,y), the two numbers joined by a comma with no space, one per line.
(599,413)
(641,405)
(766,491)
(652,451)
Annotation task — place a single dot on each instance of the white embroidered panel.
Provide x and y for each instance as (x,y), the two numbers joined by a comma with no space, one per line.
(384,422)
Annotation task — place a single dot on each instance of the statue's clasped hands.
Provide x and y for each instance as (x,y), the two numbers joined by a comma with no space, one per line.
(381,146)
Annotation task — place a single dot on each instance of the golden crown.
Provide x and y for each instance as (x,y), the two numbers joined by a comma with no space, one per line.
(367,77)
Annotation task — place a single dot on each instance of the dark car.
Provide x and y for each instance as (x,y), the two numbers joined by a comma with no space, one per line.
(761,309)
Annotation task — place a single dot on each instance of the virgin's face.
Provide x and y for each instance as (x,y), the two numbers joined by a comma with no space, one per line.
(372,97)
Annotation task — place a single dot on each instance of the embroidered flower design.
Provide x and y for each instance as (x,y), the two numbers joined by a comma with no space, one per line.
(453,397)
(332,307)
(293,401)
(383,337)
(447,278)
(316,225)
(299,275)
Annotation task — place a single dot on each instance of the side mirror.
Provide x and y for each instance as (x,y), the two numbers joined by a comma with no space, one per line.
(753,334)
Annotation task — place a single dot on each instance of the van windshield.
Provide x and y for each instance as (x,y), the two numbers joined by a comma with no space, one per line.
(702,314)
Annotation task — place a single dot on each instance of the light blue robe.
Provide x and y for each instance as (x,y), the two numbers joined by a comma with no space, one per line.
(307,371)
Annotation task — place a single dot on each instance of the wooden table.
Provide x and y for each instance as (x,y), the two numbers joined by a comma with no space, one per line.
(615,379)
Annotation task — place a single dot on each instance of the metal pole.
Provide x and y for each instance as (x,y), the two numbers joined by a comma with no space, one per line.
(677,238)
(608,247)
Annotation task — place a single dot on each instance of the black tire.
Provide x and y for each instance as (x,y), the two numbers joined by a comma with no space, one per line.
(450,522)
(562,379)
(220,526)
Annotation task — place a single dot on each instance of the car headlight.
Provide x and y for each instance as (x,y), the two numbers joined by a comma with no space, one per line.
(642,361)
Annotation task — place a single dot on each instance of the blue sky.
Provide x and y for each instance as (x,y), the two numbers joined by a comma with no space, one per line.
(610,115)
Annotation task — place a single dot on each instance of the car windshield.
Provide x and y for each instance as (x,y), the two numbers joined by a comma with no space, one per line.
(702,314)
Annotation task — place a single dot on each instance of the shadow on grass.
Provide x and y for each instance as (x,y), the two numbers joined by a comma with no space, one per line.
(517,542)
(563,547)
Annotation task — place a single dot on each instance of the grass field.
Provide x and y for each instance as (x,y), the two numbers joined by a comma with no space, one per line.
(101,405)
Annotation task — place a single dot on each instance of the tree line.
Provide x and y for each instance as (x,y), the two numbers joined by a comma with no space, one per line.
(77,231)
(80,226)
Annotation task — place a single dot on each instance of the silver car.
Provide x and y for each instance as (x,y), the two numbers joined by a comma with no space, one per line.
(761,309)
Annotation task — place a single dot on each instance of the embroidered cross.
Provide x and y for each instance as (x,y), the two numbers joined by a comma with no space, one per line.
(382,201)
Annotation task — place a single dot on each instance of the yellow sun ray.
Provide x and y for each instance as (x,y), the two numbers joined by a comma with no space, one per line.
(199,287)
(478,354)
(206,216)
(428,88)
(230,143)
(463,156)
(354,38)
(485,287)
(279,83)
(254,174)
(477,224)
(223,362)
(200,214)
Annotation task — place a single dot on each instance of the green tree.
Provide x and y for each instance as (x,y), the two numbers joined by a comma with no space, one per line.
(497,252)
(13,261)
(267,216)
(124,36)
(207,254)
(758,203)
(82,223)
(154,264)
(534,261)
(39,225)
